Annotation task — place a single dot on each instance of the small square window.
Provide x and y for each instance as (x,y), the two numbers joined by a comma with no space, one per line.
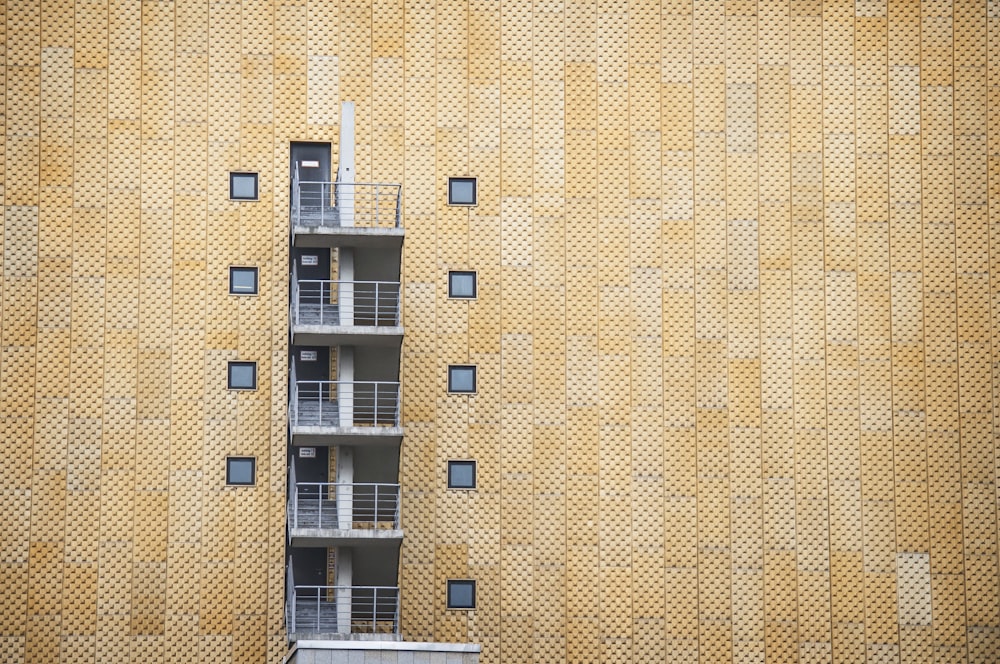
(462,284)
(461,594)
(242,376)
(243,280)
(461,191)
(241,471)
(461,474)
(461,378)
(243,186)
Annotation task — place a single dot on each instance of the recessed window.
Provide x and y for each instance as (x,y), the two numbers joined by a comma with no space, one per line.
(461,191)
(242,376)
(243,280)
(461,594)
(462,284)
(461,474)
(461,378)
(241,471)
(243,186)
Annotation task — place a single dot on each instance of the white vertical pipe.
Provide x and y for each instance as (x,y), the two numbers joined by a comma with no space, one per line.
(345,285)
(345,385)
(345,171)
(345,509)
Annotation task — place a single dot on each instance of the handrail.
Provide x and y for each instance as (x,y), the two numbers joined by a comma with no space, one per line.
(293,395)
(290,593)
(292,481)
(352,184)
(344,609)
(333,204)
(344,403)
(344,506)
(294,300)
(345,303)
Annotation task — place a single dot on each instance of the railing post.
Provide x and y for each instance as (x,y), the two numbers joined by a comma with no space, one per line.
(319,401)
(398,205)
(326,301)
(319,505)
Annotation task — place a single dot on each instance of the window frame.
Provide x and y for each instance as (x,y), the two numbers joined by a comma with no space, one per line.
(229,375)
(475,474)
(233,269)
(475,378)
(447,599)
(256,186)
(229,470)
(475,191)
(475,284)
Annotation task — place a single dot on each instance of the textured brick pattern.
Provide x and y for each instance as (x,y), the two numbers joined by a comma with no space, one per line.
(121,542)
(735,366)
(735,328)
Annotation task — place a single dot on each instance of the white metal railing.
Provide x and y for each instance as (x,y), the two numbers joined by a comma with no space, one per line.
(344,506)
(343,609)
(346,204)
(344,403)
(329,302)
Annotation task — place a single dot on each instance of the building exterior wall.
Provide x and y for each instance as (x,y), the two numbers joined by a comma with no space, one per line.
(735,330)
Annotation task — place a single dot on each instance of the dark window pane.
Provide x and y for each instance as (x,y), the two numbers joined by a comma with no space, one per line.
(242,375)
(461,594)
(461,284)
(240,470)
(243,280)
(461,379)
(461,474)
(243,186)
(462,191)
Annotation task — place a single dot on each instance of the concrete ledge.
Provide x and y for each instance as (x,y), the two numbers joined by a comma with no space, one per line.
(347,236)
(358,335)
(330,435)
(320,537)
(404,646)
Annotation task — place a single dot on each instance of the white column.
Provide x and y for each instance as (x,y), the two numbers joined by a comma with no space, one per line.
(345,507)
(345,285)
(345,492)
(344,582)
(345,171)
(345,385)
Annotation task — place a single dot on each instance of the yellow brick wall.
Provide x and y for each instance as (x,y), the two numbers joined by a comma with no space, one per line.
(735,326)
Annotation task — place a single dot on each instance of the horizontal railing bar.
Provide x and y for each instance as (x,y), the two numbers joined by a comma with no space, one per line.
(390,185)
(347,382)
(344,281)
(352,484)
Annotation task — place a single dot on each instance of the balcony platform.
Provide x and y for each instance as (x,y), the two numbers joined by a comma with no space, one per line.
(305,334)
(324,514)
(335,313)
(328,436)
(344,413)
(347,236)
(346,214)
(354,537)
(327,637)
(342,613)
(389,651)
